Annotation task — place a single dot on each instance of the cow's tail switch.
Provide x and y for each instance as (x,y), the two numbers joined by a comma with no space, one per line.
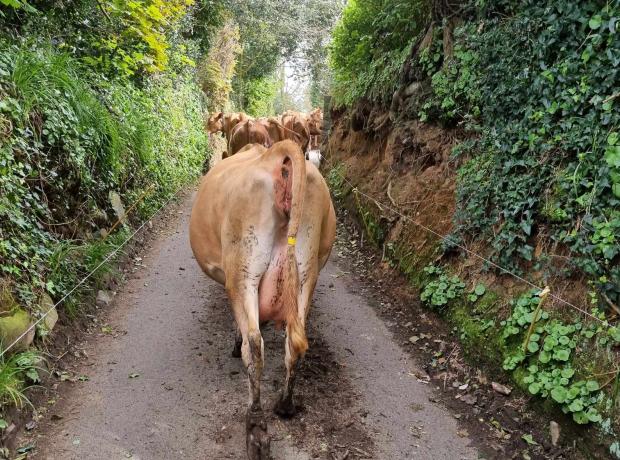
(294,325)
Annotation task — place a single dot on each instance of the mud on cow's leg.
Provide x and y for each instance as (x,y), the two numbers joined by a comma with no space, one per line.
(257,439)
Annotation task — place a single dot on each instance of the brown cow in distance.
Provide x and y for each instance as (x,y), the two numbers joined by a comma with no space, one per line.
(315,127)
(248,132)
(277,131)
(215,123)
(225,122)
(266,247)
(296,122)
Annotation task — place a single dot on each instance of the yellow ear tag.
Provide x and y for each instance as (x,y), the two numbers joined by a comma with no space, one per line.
(292,241)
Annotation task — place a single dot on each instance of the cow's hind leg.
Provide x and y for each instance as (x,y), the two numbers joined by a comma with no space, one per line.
(236,353)
(245,306)
(285,407)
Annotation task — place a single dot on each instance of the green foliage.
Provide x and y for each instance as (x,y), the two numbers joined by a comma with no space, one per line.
(136,41)
(549,356)
(540,87)
(260,95)
(442,289)
(16,372)
(218,68)
(17,4)
(336,180)
(478,291)
(455,91)
(69,139)
(372,225)
(370,44)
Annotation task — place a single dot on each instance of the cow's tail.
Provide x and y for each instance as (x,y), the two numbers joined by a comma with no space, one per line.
(295,327)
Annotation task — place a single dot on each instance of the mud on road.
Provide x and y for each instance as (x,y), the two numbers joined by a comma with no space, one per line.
(157,379)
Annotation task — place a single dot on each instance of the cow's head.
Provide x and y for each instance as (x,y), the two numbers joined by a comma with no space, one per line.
(215,122)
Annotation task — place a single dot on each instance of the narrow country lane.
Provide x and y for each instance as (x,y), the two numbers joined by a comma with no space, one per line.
(163,384)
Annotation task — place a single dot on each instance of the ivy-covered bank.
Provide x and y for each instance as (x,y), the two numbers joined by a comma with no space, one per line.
(501,132)
(101,121)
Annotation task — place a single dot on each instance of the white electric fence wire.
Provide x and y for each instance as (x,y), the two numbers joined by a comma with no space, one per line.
(454,243)
(356,190)
(83,280)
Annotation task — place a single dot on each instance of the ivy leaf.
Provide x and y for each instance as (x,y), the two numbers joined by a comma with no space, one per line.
(595,22)
(534,388)
(614,332)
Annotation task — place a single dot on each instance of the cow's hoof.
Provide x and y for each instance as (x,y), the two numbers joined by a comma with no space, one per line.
(285,408)
(258,442)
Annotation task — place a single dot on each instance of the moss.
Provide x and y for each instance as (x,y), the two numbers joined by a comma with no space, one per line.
(14,325)
(479,335)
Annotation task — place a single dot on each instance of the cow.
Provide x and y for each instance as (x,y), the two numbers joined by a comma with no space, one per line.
(315,122)
(225,123)
(296,122)
(315,127)
(277,131)
(266,246)
(215,123)
(230,121)
(248,132)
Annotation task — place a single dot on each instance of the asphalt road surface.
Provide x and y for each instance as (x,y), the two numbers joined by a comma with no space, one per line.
(162,383)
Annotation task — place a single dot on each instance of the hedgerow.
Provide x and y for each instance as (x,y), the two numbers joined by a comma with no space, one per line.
(83,126)
(532,88)
(68,141)
(370,44)
(547,166)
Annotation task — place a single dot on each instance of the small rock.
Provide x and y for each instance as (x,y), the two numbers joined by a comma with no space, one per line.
(502,389)
(104,298)
(554,429)
(31,425)
(46,305)
(414,338)
(469,399)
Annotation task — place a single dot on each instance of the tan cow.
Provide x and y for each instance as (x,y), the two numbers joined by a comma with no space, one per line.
(296,122)
(215,123)
(277,131)
(266,246)
(248,132)
(315,127)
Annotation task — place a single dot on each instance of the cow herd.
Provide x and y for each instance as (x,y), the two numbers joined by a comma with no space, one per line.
(240,129)
(263,225)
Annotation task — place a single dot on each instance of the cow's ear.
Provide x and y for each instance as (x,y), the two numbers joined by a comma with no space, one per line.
(219,115)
